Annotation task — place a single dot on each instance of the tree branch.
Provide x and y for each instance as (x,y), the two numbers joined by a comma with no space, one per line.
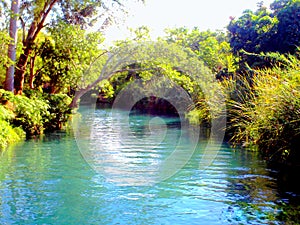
(45,14)
(23,29)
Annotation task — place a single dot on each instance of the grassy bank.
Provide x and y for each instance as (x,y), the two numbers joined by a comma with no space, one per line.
(264,112)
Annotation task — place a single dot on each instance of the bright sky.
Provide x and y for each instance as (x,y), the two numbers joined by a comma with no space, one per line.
(161,14)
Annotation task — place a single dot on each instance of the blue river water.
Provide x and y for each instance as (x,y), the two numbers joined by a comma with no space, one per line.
(98,174)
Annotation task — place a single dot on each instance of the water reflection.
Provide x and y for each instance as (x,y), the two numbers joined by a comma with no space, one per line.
(48,181)
(136,149)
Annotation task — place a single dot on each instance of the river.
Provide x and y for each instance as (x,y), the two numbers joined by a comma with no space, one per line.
(99,174)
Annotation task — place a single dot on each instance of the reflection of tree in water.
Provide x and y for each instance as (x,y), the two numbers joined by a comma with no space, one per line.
(143,125)
(289,190)
(144,115)
(252,190)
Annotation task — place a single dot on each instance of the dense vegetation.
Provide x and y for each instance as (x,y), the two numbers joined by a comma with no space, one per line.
(268,116)
(37,114)
(256,62)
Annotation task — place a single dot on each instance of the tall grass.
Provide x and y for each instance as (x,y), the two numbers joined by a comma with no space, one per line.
(266,111)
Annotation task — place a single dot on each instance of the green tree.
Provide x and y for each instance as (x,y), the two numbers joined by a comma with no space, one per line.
(288,29)
(211,47)
(35,13)
(266,31)
(66,57)
(252,32)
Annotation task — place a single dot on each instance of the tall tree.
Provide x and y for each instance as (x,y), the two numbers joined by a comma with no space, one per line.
(253,31)
(288,29)
(34,14)
(9,80)
(211,47)
(40,11)
(277,30)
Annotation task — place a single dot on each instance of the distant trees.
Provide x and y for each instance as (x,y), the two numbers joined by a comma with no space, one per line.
(211,47)
(266,31)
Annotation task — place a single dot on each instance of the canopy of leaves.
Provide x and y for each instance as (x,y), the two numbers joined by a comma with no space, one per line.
(266,31)
(253,31)
(67,55)
(211,47)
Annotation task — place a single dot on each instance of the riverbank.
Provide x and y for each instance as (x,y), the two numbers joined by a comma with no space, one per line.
(31,115)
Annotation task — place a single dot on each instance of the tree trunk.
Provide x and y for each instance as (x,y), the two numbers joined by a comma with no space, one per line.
(35,28)
(32,74)
(78,95)
(20,70)
(9,79)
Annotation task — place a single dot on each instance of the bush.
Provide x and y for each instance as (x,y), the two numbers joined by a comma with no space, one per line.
(31,114)
(59,111)
(38,113)
(8,133)
(268,116)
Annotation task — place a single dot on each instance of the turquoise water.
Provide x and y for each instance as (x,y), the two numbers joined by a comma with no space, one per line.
(98,175)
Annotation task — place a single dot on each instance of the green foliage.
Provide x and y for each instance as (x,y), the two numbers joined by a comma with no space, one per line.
(217,55)
(30,114)
(269,115)
(288,29)
(8,133)
(191,38)
(200,114)
(211,47)
(4,60)
(80,14)
(59,111)
(68,57)
(140,34)
(160,59)
(253,31)
(6,114)
(106,89)
(160,66)
(38,114)
(266,31)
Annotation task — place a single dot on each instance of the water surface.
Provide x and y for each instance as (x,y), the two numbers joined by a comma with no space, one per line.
(53,180)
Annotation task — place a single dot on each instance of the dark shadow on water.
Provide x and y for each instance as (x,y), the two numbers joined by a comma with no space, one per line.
(154,106)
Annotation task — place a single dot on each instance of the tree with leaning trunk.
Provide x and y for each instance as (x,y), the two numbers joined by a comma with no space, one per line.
(35,14)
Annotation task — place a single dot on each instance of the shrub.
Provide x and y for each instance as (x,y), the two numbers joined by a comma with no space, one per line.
(8,133)
(59,111)
(39,113)
(268,116)
(31,114)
